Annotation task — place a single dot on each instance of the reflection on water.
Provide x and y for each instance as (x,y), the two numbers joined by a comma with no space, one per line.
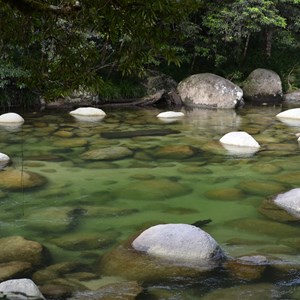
(102,188)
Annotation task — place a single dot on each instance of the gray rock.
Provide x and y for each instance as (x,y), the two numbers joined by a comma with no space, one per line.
(180,243)
(263,87)
(17,289)
(292,97)
(290,202)
(210,91)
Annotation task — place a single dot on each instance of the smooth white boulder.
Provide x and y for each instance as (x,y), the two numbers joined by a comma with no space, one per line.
(240,139)
(11,118)
(293,113)
(88,111)
(20,289)
(4,158)
(170,114)
(180,243)
(289,201)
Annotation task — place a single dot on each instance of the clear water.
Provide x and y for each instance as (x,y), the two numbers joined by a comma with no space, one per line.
(118,197)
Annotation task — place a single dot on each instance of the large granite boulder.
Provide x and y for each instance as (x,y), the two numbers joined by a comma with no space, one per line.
(180,243)
(20,289)
(209,91)
(163,253)
(263,87)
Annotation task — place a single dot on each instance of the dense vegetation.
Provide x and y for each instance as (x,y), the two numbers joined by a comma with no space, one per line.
(53,47)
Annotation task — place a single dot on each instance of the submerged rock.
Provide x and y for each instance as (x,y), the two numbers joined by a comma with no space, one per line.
(137,133)
(16,180)
(153,189)
(181,244)
(210,91)
(174,152)
(126,290)
(110,153)
(16,248)
(14,269)
(20,289)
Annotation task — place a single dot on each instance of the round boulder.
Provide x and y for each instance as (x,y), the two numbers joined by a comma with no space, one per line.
(15,180)
(210,91)
(20,289)
(240,143)
(170,114)
(88,114)
(16,248)
(263,87)
(11,118)
(290,202)
(180,243)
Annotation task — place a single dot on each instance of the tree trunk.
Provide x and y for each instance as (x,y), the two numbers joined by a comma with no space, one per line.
(268,42)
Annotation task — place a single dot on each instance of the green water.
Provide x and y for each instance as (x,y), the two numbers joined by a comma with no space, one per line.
(119,197)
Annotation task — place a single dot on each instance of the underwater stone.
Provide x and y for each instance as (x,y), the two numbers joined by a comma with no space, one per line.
(174,152)
(14,269)
(15,180)
(110,153)
(16,248)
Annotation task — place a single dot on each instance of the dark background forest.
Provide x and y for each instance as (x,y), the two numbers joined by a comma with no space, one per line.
(51,48)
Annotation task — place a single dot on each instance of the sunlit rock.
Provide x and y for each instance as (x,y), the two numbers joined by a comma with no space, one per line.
(19,289)
(15,179)
(88,114)
(171,114)
(16,248)
(11,118)
(179,243)
(109,153)
(239,139)
(290,117)
(290,202)
(209,91)
(162,253)
(4,160)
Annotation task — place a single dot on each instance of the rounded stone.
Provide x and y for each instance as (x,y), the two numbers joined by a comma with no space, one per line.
(240,139)
(14,179)
(179,243)
(293,113)
(15,287)
(88,111)
(210,91)
(290,202)
(110,153)
(174,152)
(11,118)
(225,194)
(16,248)
(170,114)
